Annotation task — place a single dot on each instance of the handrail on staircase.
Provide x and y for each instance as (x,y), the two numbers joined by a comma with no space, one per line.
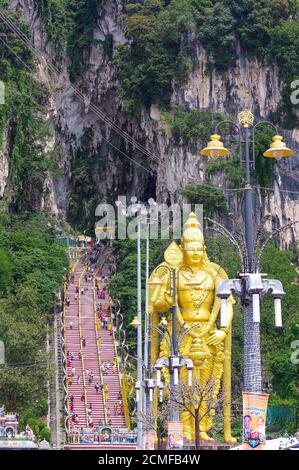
(97,339)
(120,377)
(81,345)
(67,404)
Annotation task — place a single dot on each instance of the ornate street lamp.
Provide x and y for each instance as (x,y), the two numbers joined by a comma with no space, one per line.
(215,148)
(278,149)
(252,284)
(136,208)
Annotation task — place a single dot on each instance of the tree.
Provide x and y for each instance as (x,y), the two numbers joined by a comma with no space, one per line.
(199,401)
(212,198)
(5,270)
(155,54)
(36,267)
(217,34)
(192,127)
(156,421)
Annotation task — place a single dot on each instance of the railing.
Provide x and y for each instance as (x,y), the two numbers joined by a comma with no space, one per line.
(125,402)
(121,381)
(81,343)
(120,378)
(66,381)
(67,423)
(117,436)
(97,339)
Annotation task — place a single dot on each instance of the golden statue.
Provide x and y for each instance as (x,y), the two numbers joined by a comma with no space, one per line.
(197,304)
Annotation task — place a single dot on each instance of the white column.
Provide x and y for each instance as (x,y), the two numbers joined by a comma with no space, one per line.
(277,309)
(223,314)
(256,308)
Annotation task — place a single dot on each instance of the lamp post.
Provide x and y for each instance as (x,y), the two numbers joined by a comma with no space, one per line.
(146,221)
(174,363)
(148,384)
(145,388)
(136,208)
(252,286)
(142,211)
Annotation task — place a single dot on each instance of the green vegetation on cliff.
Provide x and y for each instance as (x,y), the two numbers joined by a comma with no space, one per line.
(192,127)
(163,40)
(158,52)
(23,131)
(164,34)
(211,197)
(70,25)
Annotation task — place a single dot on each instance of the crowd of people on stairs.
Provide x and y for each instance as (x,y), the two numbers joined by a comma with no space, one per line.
(95,282)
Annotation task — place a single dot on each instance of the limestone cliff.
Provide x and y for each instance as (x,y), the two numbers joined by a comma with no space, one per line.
(77,129)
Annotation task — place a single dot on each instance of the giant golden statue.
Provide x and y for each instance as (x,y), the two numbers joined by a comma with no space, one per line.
(208,346)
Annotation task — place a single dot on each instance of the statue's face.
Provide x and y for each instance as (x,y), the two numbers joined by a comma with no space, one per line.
(194,253)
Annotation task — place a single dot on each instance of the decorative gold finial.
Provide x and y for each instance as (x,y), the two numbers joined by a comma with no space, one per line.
(246,118)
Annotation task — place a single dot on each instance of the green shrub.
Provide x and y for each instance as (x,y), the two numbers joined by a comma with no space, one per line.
(45,433)
(231,167)
(192,127)
(212,197)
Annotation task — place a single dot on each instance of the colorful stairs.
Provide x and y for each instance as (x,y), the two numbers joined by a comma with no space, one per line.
(99,348)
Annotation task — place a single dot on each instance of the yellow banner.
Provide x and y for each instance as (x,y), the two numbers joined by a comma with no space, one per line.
(175,436)
(254,420)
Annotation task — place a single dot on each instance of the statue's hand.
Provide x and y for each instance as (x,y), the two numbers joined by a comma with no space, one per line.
(216,337)
(206,329)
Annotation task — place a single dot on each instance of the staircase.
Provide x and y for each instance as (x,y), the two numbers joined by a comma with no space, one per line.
(99,348)
(108,353)
(73,345)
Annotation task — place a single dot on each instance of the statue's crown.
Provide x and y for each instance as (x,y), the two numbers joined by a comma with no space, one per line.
(192,231)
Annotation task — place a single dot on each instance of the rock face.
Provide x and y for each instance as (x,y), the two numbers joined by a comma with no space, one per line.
(246,86)
(4,162)
(169,167)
